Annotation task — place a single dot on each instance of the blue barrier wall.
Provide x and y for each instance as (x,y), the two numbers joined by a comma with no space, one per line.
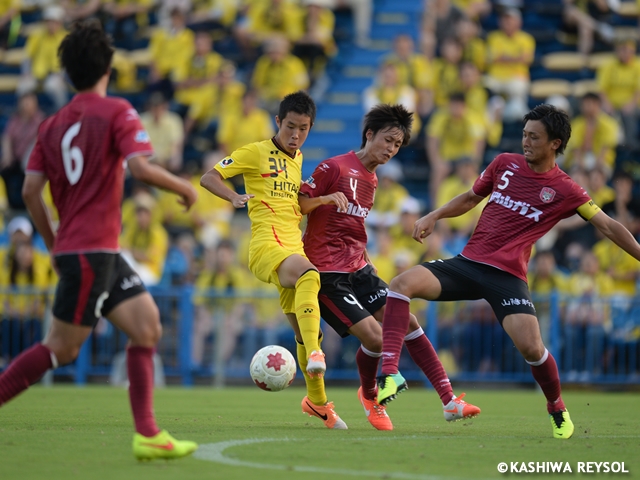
(593,340)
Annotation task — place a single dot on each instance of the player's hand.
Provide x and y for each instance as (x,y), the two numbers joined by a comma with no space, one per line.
(188,198)
(239,201)
(338,199)
(424,227)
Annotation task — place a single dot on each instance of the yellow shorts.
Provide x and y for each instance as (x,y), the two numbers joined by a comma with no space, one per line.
(264,259)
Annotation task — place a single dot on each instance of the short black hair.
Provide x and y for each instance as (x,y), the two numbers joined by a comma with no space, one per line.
(555,121)
(591,96)
(386,116)
(86,53)
(299,102)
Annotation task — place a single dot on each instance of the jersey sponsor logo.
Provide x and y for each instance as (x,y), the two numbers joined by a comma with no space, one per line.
(356,211)
(225,162)
(132,281)
(285,189)
(311,182)
(379,294)
(141,136)
(523,208)
(131,114)
(547,194)
(506,302)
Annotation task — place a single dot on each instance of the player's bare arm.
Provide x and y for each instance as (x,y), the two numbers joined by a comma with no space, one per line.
(32,195)
(157,176)
(307,204)
(213,182)
(454,208)
(617,233)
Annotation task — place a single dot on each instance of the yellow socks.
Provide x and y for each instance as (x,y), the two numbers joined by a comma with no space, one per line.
(308,309)
(315,386)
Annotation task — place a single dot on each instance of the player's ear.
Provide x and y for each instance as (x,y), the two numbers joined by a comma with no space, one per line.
(278,121)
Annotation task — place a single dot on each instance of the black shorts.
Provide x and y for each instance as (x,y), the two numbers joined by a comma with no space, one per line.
(347,298)
(464,279)
(91,285)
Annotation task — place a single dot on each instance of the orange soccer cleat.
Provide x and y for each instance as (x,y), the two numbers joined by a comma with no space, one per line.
(326,413)
(458,409)
(376,413)
(315,364)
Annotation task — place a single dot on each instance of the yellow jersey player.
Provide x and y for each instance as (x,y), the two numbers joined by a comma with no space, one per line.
(272,171)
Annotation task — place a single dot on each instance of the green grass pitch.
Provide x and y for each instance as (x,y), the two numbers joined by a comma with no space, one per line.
(245,433)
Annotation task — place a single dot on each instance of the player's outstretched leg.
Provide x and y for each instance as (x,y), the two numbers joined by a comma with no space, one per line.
(315,403)
(545,372)
(425,356)
(376,413)
(139,318)
(26,369)
(307,312)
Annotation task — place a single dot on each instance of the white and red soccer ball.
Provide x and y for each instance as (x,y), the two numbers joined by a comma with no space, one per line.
(273,368)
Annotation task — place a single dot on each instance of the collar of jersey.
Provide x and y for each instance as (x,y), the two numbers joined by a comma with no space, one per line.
(275,142)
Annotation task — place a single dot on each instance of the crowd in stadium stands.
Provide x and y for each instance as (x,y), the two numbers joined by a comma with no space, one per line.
(211,74)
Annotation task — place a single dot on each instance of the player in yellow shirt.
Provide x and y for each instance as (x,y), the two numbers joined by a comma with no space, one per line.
(594,137)
(619,85)
(272,171)
(510,51)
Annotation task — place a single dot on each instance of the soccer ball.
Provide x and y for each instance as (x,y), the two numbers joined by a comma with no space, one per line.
(273,368)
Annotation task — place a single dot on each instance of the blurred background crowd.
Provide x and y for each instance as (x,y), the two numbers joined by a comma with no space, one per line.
(207,77)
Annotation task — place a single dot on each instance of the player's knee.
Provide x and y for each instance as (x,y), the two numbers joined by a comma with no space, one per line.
(401,285)
(65,353)
(309,279)
(413,323)
(532,352)
(149,330)
(373,344)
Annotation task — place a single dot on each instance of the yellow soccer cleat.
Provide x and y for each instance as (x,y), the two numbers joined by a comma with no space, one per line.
(561,424)
(161,445)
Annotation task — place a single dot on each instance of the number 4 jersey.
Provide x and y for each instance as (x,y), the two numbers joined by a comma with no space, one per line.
(83,150)
(335,240)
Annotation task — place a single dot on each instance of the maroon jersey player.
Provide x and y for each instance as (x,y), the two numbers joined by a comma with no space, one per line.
(82,151)
(338,197)
(528,194)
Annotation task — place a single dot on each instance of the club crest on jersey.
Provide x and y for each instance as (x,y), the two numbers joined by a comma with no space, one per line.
(141,136)
(547,194)
(311,182)
(225,162)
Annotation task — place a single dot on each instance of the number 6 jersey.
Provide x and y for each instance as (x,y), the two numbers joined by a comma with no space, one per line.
(83,150)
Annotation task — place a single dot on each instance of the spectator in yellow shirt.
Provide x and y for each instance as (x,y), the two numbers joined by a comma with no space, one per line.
(453,133)
(388,89)
(465,174)
(166,131)
(250,125)
(510,52)
(42,66)
(198,74)
(619,265)
(125,18)
(224,98)
(619,85)
(545,277)
(474,9)
(9,11)
(588,17)
(477,99)
(594,137)
(599,191)
(213,15)
(413,69)
(171,48)
(446,72)
(267,19)
(438,25)
(389,197)
(401,232)
(474,49)
(315,44)
(221,277)
(278,73)
(145,245)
